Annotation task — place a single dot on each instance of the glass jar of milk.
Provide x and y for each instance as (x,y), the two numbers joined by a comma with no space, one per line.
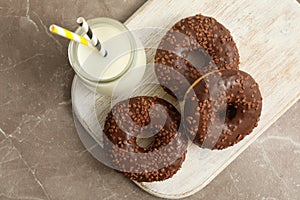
(125,60)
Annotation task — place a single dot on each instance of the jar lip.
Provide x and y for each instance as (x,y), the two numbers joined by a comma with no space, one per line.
(73,46)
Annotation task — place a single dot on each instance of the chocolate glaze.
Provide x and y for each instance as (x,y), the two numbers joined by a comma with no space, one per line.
(192,47)
(222,108)
(145,117)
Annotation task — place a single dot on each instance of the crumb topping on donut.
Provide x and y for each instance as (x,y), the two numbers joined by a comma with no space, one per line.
(222,109)
(192,47)
(139,118)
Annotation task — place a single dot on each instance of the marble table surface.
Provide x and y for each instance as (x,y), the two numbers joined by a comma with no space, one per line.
(41,156)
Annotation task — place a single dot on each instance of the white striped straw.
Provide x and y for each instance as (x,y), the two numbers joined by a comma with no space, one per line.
(82,22)
(70,35)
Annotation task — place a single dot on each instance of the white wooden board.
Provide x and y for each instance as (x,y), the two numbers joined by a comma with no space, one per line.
(267,33)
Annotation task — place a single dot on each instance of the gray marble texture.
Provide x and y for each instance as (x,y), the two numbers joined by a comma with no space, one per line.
(41,156)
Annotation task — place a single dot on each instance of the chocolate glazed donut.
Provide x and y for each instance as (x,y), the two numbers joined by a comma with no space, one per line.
(147,117)
(221,108)
(193,47)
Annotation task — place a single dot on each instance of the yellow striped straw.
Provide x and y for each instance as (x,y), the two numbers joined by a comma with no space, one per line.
(70,35)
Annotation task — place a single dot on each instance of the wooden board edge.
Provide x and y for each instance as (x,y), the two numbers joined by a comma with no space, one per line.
(138,11)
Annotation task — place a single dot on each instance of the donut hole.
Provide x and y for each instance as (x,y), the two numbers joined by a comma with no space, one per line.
(145,142)
(198,58)
(229,113)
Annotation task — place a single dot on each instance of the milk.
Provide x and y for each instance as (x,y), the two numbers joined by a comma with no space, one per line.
(122,63)
(117,65)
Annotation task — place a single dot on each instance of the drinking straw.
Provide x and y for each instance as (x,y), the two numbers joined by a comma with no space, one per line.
(69,35)
(82,22)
